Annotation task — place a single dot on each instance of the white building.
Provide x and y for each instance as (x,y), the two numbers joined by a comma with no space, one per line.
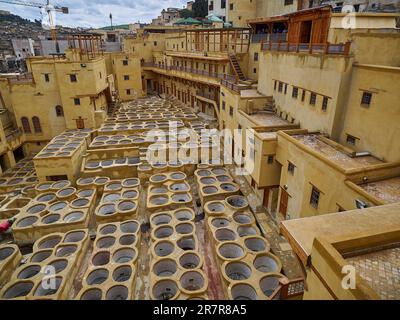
(23,48)
(218,8)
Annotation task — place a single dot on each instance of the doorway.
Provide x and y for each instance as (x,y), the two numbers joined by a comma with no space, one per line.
(283,203)
(305,31)
(19,154)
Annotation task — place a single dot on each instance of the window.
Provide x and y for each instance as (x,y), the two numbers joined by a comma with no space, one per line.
(275,85)
(223,4)
(255,70)
(303,95)
(59,111)
(25,125)
(255,56)
(155,43)
(288,2)
(128,91)
(295,92)
(126,77)
(314,199)
(125,62)
(351,140)
(325,104)
(313,99)
(100,75)
(77,101)
(231,111)
(46,77)
(231,6)
(223,105)
(291,168)
(73,78)
(366,99)
(280,86)
(270,159)
(285,88)
(36,125)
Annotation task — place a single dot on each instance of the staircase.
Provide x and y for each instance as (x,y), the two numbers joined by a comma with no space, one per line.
(236,67)
(111,109)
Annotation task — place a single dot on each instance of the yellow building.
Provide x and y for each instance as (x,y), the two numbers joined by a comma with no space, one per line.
(348,255)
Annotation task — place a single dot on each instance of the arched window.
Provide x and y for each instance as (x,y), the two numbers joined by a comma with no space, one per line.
(59,111)
(25,125)
(36,125)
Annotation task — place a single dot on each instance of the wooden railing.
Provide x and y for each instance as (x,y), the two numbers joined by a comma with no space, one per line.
(322,48)
(25,78)
(205,73)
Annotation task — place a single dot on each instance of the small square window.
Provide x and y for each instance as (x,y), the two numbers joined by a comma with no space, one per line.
(125,62)
(314,199)
(313,99)
(77,101)
(73,78)
(270,159)
(366,99)
(351,140)
(128,91)
(126,77)
(295,92)
(46,77)
(325,104)
(291,168)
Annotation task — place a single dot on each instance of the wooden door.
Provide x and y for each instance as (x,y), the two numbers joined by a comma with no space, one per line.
(80,123)
(283,203)
(266,197)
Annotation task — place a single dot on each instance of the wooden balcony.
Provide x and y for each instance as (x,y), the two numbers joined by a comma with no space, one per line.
(215,75)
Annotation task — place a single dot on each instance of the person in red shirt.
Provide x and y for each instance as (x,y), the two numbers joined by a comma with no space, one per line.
(6,224)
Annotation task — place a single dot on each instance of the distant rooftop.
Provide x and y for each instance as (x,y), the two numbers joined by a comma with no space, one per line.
(387,190)
(339,157)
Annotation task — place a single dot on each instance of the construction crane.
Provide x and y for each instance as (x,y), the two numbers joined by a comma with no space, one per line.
(48,8)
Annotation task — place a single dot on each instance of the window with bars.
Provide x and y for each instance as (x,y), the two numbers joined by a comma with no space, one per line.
(77,101)
(315,196)
(46,77)
(291,168)
(313,99)
(73,77)
(366,99)
(351,140)
(25,125)
(295,92)
(325,103)
(36,124)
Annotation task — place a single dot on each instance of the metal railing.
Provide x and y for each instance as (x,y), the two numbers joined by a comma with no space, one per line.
(288,289)
(237,87)
(322,48)
(205,73)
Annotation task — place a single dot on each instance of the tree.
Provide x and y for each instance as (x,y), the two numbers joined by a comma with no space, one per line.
(185,13)
(200,8)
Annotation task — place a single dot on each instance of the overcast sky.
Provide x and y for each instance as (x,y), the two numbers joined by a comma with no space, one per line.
(95,13)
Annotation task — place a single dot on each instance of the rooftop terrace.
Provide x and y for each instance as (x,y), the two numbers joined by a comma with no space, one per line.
(387,190)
